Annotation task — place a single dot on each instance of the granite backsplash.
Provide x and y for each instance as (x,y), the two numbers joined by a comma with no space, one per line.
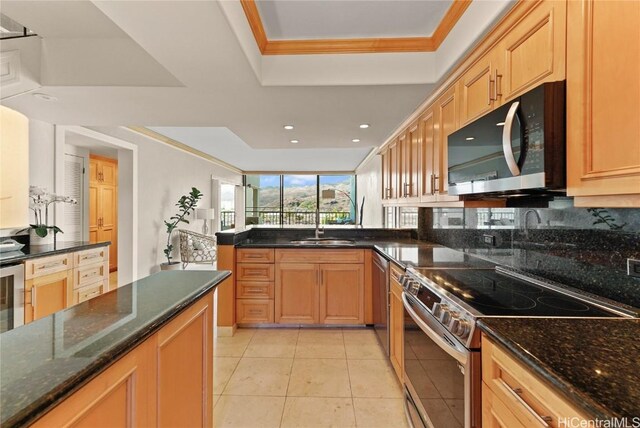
(584,248)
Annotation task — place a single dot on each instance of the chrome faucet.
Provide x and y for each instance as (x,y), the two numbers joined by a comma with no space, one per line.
(319,231)
(526,221)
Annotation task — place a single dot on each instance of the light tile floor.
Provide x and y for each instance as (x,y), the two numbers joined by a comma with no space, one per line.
(303,378)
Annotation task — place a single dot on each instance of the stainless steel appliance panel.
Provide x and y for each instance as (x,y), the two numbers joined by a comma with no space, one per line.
(11,297)
(441,375)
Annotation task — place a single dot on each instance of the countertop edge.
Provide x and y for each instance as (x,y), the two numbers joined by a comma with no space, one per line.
(80,247)
(39,408)
(566,389)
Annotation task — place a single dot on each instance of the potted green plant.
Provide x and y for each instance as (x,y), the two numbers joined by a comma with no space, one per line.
(39,202)
(186,205)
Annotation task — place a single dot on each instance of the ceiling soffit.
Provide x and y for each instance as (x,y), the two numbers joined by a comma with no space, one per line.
(351,46)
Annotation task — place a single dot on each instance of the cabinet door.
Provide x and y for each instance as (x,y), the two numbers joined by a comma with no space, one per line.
(603,103)
(428,154)
(394,152)
(109,172)
(107,230)
(296,299)
(496,414)
(184,354)
(447,116)
(412,162)
(533,51)
(121,396)
(386,178)
(47,294)
(396,328)
(477,88)
(94,174)
(93,212)
(341,294)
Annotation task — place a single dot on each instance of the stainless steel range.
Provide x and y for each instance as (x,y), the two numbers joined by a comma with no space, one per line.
(442,370)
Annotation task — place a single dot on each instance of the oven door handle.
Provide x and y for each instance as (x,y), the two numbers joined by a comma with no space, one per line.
(459,355)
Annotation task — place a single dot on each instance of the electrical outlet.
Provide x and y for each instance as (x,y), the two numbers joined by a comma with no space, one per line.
(489,240)
(633,267)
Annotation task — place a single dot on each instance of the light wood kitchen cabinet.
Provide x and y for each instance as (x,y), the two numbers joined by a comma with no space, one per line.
(478,89)
(297,295)
(56,282)
(411,185)
(428,154)
(320,286)
(603,103)
(46,294)
(166,381)
(393,191)
(514,396)
(533,51)
(341,293)
(396,327)
(385,172)
(447,123)
(255,289)
(103,205)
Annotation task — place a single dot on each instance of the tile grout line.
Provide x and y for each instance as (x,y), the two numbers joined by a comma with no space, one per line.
(286,392)
(353,403)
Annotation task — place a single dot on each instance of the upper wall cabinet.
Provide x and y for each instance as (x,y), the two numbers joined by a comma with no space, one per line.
(603,103)
(14,169)
(530,53)
(533,51)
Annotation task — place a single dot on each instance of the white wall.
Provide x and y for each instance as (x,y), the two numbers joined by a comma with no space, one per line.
(165,174)
(370,186)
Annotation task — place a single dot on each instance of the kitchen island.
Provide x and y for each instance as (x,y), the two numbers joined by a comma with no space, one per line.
(139,353)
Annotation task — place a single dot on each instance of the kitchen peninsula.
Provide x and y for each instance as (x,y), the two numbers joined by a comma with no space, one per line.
(108,358)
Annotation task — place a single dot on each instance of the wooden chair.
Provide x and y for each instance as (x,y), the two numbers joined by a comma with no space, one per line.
(196,248)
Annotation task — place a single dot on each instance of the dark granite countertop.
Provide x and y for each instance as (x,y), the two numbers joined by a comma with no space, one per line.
(34,251)
(595,363)
(45,361)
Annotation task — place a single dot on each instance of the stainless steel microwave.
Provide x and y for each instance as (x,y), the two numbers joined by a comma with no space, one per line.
(517,149)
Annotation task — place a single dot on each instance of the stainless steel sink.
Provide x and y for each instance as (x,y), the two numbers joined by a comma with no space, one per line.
(322,242)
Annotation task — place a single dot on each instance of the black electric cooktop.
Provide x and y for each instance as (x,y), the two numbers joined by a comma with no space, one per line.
(492,293)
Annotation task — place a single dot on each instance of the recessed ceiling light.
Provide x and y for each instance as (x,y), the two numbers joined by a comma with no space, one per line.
(294,141)
(45,97)
(364,126)
(288,127)
(356,140)
(470,138)
(500,124)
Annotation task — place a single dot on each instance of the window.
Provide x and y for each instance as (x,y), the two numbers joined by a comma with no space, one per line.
(294,199)
(401,217)
(227,206)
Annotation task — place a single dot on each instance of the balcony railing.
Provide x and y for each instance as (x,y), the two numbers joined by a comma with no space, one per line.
(277,217)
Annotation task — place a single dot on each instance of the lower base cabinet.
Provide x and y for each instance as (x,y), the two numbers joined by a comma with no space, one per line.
(513,396)
(396,328)
(167,381)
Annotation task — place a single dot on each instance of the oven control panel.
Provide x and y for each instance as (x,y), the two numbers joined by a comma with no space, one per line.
(453,317)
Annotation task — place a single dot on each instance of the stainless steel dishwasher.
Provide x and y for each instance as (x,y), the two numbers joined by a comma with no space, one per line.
(380,279)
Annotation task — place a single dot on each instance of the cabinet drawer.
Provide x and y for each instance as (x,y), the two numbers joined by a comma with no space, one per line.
(255,255)
(533,402)
(254,290)
(46,265)
(94,255)
(90,291)
(255,272)
(496,414)
(396,272)
(320,256)
(251,311)
(89,274)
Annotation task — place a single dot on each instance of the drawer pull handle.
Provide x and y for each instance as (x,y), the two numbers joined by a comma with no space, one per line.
(52,264)
(515,393)
(91,256)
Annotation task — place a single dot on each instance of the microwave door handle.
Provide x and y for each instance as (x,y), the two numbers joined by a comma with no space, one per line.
(506,139)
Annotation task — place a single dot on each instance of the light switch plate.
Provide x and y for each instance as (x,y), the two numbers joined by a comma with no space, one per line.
(633,267)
